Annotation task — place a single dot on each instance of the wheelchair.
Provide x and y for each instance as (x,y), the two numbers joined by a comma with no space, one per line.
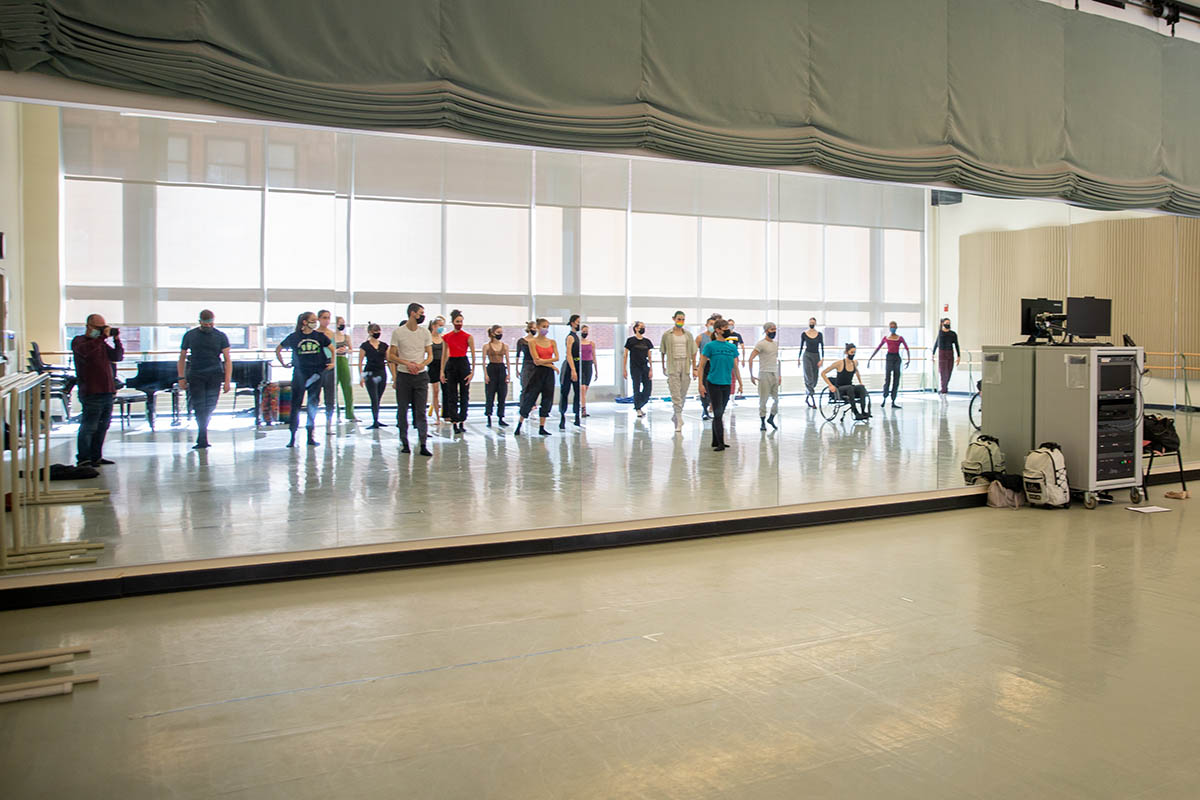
(834,407)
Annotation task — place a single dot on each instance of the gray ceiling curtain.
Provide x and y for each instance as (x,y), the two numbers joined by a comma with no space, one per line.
(1009,97)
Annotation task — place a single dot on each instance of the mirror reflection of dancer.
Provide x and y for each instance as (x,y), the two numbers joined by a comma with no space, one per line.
(409,353)
(947,342)
(768,380)
(587,367)
(891,374)
(328,379)
(201,371)
(495,374)
(525,363)
(721,357)
(704,337)
(568,373)
(457,371)
(847,371)
(636,360)
(544,351)
(811,357)
(312,360)
(437,326)
(372,370)
(678,353)
(341,349)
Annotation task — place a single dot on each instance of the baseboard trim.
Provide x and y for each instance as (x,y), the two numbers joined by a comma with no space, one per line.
(114,582)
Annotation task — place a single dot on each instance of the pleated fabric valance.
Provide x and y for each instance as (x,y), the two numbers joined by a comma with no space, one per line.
(1011,97)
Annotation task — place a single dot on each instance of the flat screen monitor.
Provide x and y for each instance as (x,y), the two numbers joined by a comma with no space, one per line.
(1089,317)
(1030,308)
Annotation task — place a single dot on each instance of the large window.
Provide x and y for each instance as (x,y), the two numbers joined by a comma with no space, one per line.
(166,216)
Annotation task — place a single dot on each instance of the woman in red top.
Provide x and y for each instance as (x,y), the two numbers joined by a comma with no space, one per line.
(544,351)
(457,371)
(891,375)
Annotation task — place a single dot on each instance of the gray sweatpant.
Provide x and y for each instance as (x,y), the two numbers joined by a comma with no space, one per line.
(811,361)
(768,390)
(679,379)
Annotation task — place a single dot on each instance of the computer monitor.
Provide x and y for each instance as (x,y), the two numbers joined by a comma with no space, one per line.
(1089,317)
(1030,309)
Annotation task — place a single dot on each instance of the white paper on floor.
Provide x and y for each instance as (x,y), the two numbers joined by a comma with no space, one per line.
(1147,509)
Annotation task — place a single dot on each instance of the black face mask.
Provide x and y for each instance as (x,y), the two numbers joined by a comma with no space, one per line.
(640,330)
(420,319)
(770,334)
(946,327)
(374,334)
(342,327)
(584,334)
(497,336)
(575,327)
(812,325)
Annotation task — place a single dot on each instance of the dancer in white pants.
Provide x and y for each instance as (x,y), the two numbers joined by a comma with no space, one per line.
(678,350)
(768,380)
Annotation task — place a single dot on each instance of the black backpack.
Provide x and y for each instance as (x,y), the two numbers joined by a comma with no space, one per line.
(1160,433)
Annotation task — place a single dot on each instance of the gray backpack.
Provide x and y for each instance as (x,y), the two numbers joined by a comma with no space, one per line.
(1045,477)
(985,460)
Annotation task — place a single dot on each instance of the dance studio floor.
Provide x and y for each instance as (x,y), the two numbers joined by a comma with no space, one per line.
(250,494)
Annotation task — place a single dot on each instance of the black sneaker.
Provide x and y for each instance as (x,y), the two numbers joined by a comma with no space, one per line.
(425,451)
(771,422)
(762,423)
(404,448)
(104,461)
(502,423)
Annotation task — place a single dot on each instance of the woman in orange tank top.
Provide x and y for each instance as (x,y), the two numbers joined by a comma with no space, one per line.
(545,358)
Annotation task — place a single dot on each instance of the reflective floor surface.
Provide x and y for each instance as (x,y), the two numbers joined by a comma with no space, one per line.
(967,654)
(250,494)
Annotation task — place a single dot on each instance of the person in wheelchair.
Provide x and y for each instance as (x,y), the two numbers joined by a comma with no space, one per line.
(845,390)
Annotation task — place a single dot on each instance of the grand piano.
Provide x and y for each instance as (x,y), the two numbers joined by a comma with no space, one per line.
(157,376)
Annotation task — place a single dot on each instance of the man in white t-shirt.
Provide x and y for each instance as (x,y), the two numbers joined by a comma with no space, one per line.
(410,352)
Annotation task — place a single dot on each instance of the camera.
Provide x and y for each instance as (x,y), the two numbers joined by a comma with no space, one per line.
(114,331)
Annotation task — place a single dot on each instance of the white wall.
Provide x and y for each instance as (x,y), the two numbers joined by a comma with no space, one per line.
(10,214)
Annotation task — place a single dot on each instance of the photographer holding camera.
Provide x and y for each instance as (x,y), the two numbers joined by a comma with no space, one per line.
(94,359)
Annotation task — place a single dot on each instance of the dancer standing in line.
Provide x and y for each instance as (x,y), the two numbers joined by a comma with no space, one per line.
(373,369)
(544,355)
(341,348)
(847,371)
(457,370)
(736,338)
(721,358)
(525,363)
(704,337)
(410,352)
(495,374)
(951,355)
(636,359)
(678,351)
(437,326)
(891,374)
(312,360)
(769,382)
(201,371)
(587,366)
(811,356)
(568,373)
(328,379)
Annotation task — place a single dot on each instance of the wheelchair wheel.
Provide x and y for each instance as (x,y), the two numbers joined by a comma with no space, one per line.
(975,411)
(830,405)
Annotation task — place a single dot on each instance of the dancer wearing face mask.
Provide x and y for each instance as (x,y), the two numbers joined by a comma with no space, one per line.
(312,360)
(678,352)
(341,347)
(495,374)
(847,371)
(587,366)
(636,360)
(409,354)
(721,358)
(457,370)
(703,338)
(811,357)
(891,374)
(768,380)
(947,343)
(328,379)
(568,373)
(525,363)
(544,355)
(372,370)
(201,371)
(437,326)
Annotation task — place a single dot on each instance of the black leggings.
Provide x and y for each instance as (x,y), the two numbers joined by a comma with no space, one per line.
(458,389)
(856,395)
(496,390)
(376,382)
(566,385)
(891,375)
(718,397)
(541,382)
(306,386)
(641,384)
